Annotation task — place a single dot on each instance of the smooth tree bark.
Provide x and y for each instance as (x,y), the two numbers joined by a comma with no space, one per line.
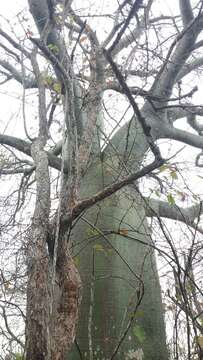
(97,249)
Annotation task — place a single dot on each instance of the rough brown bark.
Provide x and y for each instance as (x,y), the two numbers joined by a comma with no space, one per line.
(66,306)
(52,309)
(38,288)
(53,292)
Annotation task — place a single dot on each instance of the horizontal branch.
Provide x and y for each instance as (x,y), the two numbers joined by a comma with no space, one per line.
(135,90)
(163,209)
(182,112)
(54,161)
(27,82)
(16,143)
(25,147)
(189,67)
(19,170)
(185,137)
(56,150)
(140,73)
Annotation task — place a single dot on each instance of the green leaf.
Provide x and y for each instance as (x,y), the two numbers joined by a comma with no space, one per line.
(53,48)
(174,175)
(71,19)
(76,260)
(57,87)
(163,168)
(18,356)
(139,333)
(157,193)
(139,314)
(200,341)
(47,80)
(92,232)
(171,199)
(98,247)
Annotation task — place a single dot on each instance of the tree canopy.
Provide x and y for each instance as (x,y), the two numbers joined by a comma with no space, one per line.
(101,156)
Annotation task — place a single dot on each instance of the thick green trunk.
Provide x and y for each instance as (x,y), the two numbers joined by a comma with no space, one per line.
(110,287)
(111,264)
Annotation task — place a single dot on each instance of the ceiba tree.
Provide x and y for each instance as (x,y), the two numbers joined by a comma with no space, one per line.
(91,264)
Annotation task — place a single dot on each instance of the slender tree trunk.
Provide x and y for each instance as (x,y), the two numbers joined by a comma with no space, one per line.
(38,288)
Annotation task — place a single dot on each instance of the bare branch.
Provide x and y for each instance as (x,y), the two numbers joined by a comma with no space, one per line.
(86,28)
(27,82)
(183,45)
(13,336)
(186,11)
(135,34)
(189,67)
(135,90)
(181,135)
(16,143)
(146,128)
(17,170)
(134,9)
(108,191)
(184,111)
(43,126)
(10,52)
(163,209)
(14,43)
(25,147)
(192,120)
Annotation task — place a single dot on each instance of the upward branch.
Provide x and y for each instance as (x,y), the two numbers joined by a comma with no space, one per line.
(178,53)
(135,7)
(146,128)
(108,191)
